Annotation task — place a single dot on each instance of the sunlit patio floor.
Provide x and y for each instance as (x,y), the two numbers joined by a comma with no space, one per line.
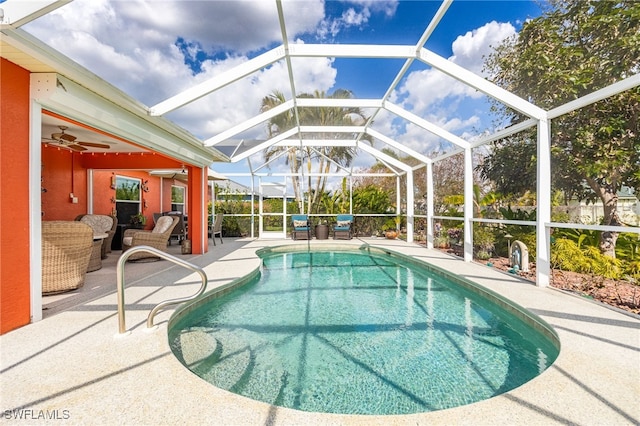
(74,366)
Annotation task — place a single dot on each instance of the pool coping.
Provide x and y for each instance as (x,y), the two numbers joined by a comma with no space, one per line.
(75,367)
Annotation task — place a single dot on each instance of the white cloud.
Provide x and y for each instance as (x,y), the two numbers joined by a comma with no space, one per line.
(470,49)
(351,17)
(132,44)
(432,93)
(357,15)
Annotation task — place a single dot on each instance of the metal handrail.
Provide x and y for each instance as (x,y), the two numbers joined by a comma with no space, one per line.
(120,283)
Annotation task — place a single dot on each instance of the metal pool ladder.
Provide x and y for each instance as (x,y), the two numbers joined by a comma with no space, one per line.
(120,283)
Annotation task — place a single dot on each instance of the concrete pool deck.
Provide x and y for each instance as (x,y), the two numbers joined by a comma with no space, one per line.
(74,368)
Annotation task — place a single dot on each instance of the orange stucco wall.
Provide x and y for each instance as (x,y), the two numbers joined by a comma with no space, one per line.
(62,175)
(15,310)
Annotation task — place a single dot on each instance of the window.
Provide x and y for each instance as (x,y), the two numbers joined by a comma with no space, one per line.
(127,198)
(177,198)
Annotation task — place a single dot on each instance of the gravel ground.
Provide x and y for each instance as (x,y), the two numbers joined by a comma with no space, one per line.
(619,293)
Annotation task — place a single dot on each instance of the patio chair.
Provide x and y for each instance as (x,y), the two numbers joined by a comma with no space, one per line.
(217,228)
(66,249)
(180,231)
(343,227)
(301,228)
(157,238)
(101,224)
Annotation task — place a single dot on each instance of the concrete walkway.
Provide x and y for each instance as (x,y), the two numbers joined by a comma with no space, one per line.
(73,367)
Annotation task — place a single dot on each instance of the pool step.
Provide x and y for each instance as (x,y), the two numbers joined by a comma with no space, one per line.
(232,366)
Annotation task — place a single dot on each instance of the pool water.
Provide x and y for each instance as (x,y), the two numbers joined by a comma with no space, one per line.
(358,333)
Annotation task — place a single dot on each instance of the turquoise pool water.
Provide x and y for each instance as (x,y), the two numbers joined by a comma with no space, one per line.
(358,333)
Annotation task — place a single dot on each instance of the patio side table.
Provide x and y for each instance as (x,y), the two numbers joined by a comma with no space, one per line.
(322,232)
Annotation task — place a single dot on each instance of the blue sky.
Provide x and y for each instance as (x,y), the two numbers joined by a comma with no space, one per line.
(155,49)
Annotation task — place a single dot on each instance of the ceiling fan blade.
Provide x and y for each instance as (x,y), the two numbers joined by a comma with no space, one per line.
(76,147)
(67,137)
(94,145)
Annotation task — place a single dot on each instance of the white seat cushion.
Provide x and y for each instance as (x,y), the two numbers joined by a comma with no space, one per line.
(127,241)
(164,222)
(100,223)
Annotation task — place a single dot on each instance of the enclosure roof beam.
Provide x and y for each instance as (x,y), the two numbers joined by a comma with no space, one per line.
(264,145)
(317,142)
(17,13)
(384,51)
(247,124)
(481,84)
(398,146)
(196,92)
(430,127)
(339,103)
(382,156)
(506,132)
(598,95)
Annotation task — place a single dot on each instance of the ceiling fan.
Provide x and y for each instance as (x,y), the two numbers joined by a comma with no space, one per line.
(69,141)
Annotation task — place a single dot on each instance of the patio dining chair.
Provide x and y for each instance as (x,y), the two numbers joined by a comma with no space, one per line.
(217,228)
(180,231)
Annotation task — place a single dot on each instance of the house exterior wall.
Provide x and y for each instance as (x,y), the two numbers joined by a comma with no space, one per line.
(63,172)
(62,175)
(15,308)
(628,211)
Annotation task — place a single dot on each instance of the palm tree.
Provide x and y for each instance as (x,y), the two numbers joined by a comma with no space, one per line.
(322,156)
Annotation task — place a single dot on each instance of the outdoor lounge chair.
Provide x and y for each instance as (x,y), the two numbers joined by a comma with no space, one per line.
(343,228)
(217,228)
(66,249)
(301,229)
(157,238)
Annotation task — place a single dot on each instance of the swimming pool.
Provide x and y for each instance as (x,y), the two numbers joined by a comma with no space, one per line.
(361,331)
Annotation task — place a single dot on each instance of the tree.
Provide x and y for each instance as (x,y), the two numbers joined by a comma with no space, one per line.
(573,49)
(322,156)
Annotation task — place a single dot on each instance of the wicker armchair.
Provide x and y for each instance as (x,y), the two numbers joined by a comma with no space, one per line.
(157,238)
(101,224)
(66,249)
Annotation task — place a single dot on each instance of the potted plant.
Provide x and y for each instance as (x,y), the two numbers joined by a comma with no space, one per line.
(441,242)
(389,229)
(138,220)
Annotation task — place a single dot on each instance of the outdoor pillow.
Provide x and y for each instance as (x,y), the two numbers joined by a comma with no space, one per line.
(299,223)
(164,222)
(101,224)
(343,223)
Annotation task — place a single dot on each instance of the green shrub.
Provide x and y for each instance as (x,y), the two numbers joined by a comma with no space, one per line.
(483,255)
(483,240)
(602,265)
(566,255)
(632,271)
